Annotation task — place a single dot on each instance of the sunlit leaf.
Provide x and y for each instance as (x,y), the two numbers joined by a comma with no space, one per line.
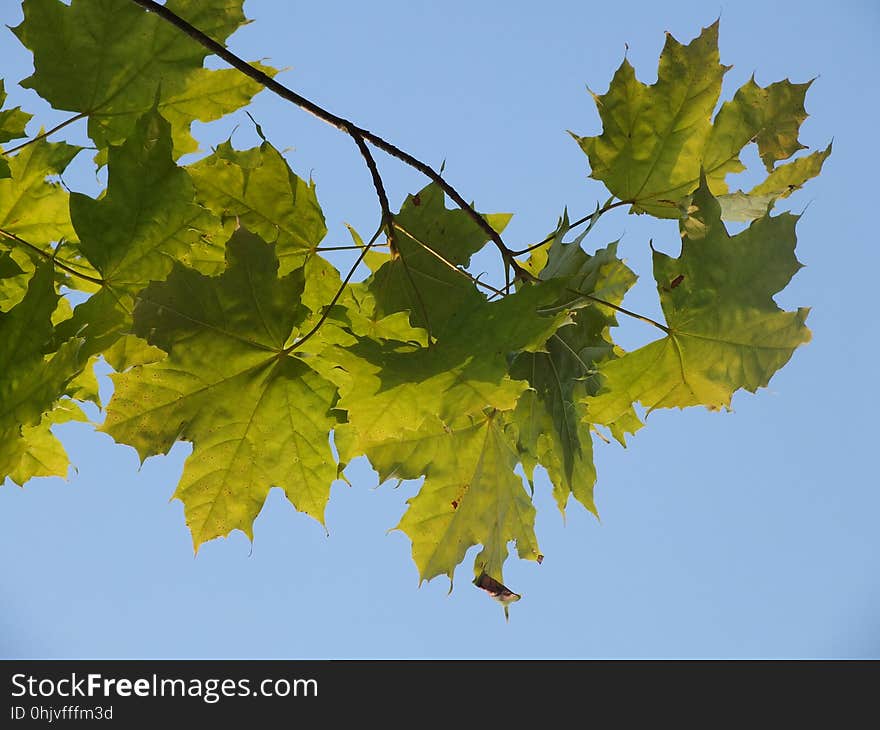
(127,61)
(725,332)
(257,415)
(657,140)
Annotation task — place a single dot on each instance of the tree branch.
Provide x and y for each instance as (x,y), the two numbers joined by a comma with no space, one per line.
(387,217)
(340,123)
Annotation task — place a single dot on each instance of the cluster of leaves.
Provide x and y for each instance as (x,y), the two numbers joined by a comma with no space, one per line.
(208,294)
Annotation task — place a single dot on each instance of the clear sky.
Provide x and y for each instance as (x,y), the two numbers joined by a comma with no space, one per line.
(752,533)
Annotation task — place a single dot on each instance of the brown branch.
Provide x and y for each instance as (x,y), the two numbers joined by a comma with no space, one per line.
(387,217)
(340,123)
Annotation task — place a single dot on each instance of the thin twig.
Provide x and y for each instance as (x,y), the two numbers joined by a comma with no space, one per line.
(387,217)
(340,123)
(447,262)
(43,135)
(50,257)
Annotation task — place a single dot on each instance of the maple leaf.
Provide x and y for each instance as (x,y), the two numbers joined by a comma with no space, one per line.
(38,452)
(382,386)
(657,139)
(471,495)
(257,189)
(550,416)
(31,380)
(30,205)
(13,280)
(147,220)
(414,278)
(12,121)
(724,331)
(128,61)
(256,414)
(12,125)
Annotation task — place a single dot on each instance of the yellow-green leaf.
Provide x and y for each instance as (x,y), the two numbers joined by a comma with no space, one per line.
(256,414)
(257,189)
(657,140)
(725,332)
(30,205)
(471,495)
(113,61)
(549,416)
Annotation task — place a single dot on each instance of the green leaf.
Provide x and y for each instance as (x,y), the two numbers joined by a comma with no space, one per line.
(725,332)
(38,453)
(657,140)
(130,350)
(256,414)
(12,121)
(12,126)
(30,381)
(782,182)
(30,205)
(550,417)
(113,61)
(146,221)
(355,311)
(13,280)
(653,137)
(415,280)
(148,218)
(787,178)
(471,495)
(771,117)
(384,386)
(257,189)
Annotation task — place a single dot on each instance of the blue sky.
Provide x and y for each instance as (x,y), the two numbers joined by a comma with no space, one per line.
(751,533)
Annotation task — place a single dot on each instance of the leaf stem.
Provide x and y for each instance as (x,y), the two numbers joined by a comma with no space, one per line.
(627,312)
(51,257)
(447,262)
(592,217)
(344,248)
(326,313)
(604,303)
(43,135)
